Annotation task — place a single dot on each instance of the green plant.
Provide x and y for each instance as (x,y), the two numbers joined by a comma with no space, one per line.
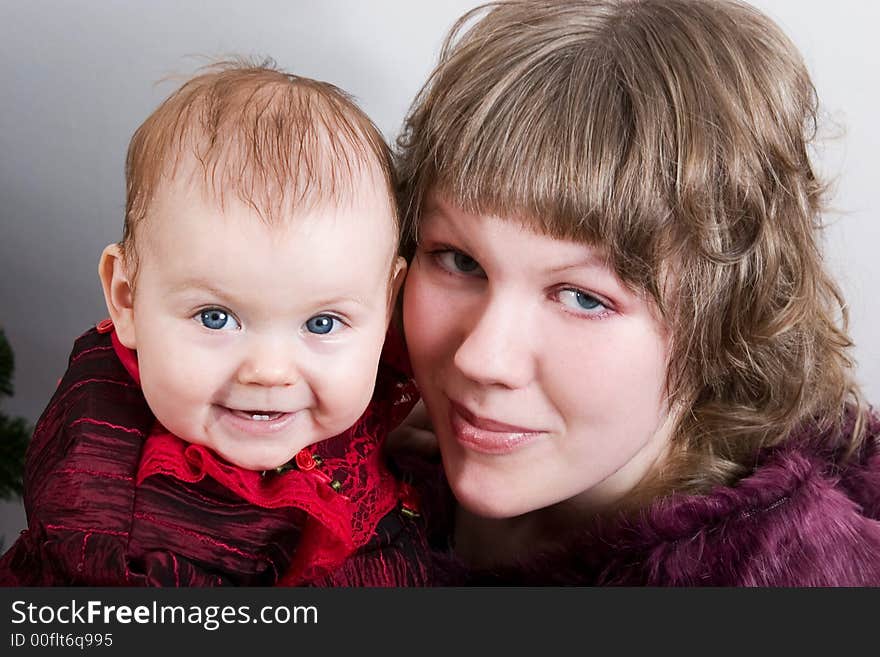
(14,431)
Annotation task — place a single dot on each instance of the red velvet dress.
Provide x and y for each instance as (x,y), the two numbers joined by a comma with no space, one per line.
(114,499)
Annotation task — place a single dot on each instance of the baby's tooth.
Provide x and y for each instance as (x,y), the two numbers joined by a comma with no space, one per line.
(259,418)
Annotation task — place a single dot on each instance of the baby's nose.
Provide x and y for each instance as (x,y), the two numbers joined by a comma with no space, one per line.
(269,364)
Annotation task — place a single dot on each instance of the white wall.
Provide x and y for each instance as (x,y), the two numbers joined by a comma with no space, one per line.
(76,78)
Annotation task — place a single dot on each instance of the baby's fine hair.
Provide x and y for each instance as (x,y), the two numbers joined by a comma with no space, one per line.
(278,142)
(674,135)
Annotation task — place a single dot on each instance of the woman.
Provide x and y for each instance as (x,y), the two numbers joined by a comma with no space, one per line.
(617,313)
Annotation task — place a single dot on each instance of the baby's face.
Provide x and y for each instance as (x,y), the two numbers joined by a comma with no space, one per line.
(257,341)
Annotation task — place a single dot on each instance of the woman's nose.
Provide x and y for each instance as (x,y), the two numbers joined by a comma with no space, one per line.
(270,363)
(496,346)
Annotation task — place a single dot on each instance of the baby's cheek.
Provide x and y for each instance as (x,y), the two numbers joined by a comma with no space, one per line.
(342,401)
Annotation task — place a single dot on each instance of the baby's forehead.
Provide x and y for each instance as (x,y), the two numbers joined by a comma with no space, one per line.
(325,253)
(344,177)
(186,207)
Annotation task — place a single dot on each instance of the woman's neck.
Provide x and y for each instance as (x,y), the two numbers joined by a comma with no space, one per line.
(485,542)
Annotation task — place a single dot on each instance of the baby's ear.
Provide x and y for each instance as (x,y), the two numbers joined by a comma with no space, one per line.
(398,274)
(118,294)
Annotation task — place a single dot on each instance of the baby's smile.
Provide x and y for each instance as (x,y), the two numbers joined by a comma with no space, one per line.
(260,416)
(256,421)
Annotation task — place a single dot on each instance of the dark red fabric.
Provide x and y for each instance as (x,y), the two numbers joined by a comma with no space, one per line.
(114,499)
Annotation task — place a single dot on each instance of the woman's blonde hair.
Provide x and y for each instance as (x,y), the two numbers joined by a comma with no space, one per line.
(675,135)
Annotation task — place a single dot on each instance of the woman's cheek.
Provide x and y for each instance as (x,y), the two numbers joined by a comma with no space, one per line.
(427,315)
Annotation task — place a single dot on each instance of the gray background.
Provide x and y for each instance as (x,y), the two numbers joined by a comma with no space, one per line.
(76,79)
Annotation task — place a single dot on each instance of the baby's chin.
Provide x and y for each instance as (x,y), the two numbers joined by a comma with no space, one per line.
(258,463)
(260,458)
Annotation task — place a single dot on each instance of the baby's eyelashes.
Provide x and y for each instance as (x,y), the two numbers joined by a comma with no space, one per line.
(218,319)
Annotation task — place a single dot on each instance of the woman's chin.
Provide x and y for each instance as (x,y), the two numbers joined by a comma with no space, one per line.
(484,489)
(481,498)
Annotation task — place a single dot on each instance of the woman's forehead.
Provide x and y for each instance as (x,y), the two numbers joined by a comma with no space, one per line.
(485,233)
(441,211)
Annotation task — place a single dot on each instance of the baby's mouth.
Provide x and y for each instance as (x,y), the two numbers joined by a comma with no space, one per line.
(257,416)
(256,421)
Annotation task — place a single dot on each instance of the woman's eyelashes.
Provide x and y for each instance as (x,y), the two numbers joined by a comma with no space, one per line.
(582,303)
(456,262)
(217,319)
(574,300)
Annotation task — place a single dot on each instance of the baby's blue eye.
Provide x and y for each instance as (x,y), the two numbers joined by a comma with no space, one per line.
(322,324)
(217,319)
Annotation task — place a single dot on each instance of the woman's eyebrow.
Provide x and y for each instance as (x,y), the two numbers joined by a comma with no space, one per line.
(434,210)
(435,218)
(589,261)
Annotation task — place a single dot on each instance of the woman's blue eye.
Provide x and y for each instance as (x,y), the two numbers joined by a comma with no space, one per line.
(579,300)
(321,324)
(217,320)
(465,263)
(458,262)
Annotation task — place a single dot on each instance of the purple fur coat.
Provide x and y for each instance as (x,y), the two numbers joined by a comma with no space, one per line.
(797,520)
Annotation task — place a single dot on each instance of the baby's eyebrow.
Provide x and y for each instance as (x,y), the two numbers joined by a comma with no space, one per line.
(341,299)
(197,284)
(203,285)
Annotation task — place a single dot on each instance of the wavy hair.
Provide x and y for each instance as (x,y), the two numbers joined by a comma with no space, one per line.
(675,136)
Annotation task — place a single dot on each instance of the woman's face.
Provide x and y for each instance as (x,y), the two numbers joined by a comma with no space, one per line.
(543,375)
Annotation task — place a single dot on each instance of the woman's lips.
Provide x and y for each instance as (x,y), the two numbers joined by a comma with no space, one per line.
(255,422)
(488,436)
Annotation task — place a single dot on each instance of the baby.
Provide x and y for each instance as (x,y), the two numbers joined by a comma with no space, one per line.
(224,425)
